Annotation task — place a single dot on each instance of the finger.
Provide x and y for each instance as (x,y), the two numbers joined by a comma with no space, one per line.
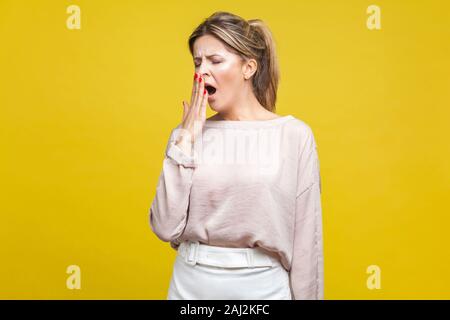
(194,83)
(202,111)
(201,88)
(185,110)
(195,95)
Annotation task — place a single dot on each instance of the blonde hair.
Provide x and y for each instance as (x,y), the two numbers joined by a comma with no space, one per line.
(250,39)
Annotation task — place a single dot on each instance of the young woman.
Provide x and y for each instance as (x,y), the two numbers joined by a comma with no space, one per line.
(239,195)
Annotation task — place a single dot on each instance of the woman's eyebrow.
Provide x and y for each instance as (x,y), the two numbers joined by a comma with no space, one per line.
(212,55)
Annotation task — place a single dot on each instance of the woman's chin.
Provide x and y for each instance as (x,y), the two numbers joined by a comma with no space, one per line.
(215,108)
(216,105)
(213,105)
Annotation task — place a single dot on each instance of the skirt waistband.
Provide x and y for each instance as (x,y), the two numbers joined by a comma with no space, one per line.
(195,252)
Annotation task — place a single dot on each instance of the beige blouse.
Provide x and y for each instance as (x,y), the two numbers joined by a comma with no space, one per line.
(248,183)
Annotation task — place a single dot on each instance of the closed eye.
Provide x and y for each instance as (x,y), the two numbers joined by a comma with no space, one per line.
(197,65)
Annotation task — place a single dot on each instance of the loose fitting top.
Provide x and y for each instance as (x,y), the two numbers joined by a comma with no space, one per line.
(247,184)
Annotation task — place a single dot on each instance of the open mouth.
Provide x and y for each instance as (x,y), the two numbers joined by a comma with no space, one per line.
(211,90)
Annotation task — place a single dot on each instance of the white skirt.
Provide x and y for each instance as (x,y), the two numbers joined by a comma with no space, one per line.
(203,272)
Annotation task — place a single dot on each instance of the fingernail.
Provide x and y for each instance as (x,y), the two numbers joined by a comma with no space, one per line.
(204,92)
(200,79)
(195,76)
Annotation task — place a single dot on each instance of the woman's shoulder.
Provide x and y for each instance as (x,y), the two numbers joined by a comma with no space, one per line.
(300,126)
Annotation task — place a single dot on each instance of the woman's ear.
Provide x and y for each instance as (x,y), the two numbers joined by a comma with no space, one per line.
(249,67)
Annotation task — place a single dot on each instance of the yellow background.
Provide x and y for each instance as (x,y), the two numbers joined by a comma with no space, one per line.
(85,117)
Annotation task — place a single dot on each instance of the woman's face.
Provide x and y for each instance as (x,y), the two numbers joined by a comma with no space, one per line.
(220,68)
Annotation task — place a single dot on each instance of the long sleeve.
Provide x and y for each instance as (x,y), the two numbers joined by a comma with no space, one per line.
(169,209)
(307,270)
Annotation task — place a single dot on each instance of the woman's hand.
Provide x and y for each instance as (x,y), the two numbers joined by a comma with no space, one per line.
(194,115)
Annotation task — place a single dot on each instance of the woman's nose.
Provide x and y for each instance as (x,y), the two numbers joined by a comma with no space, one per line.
(202,69)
